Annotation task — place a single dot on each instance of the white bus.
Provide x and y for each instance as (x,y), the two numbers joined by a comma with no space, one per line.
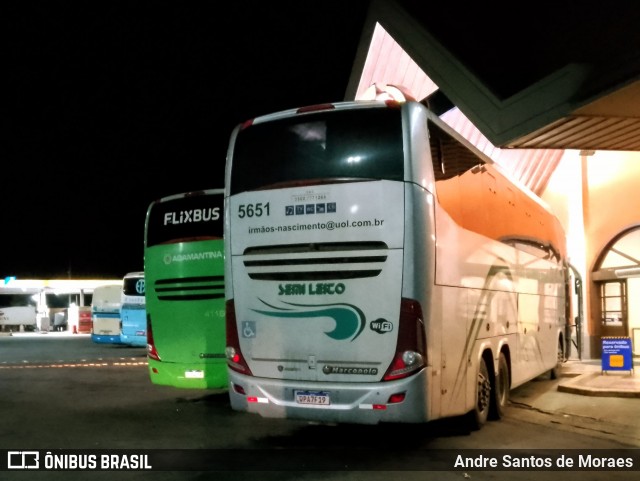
(17,316)
(380,269)
(133,313)
(105,314)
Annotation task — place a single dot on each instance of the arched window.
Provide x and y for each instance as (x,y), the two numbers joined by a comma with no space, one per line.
(617,278)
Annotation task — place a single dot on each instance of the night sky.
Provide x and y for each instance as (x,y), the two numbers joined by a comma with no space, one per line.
(110,105)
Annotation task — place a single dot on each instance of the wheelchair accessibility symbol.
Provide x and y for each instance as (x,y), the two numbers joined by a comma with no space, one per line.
(248,329)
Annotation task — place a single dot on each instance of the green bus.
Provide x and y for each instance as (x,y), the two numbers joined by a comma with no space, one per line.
(184,276)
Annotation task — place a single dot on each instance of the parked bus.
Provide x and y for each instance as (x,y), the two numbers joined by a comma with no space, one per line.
(105,314)
(18,312)
(381,269)
(184,270)
(132,310)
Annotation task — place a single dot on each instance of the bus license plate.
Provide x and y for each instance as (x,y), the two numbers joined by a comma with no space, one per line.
(312,397)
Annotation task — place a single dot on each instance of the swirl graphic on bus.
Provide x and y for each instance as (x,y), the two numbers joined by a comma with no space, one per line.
(350,320)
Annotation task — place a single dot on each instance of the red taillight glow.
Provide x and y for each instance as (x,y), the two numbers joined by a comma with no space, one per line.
(235,360)
(396,398)
(410,348)
(393,104)
(315,108)
(152,352)
(246,124)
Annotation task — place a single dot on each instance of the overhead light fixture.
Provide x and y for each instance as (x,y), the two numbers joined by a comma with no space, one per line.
(627,272)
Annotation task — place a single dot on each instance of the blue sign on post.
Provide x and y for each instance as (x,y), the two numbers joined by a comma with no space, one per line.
(616,354)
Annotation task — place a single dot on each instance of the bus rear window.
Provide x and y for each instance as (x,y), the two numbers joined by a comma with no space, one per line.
(130,286)
(344,144)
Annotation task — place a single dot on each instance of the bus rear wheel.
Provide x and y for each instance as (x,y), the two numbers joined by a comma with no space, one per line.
(500,396)
(555,372)
(480,413)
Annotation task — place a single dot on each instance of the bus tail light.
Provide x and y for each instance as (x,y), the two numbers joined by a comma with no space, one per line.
(235,360)
(393,399)
(239,389)
(410,348)
(397,398)
(151,346)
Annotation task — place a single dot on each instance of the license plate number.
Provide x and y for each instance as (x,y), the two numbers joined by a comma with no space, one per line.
(313,397)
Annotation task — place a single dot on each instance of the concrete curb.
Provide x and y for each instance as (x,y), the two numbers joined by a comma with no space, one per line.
(603,384)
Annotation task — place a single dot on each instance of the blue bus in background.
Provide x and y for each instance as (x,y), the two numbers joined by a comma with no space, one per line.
(133,312)
(105,314)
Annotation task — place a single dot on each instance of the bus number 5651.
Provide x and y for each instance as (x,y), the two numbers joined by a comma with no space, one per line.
(253,210)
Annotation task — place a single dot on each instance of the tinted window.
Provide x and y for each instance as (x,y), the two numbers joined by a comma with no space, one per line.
(450,158)
(348,144)
(133,286)
(16,300)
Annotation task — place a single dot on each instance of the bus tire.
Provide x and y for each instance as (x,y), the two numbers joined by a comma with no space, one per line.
(500,391)
(554,373)
(480,413)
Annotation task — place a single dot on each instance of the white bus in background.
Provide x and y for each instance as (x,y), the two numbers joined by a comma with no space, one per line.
(133,314)
(17,317)
(105,314)
(380,269)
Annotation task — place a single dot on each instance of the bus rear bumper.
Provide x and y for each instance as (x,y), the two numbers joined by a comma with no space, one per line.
(133,340)
(106,338)
(188,375)
(399,401)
